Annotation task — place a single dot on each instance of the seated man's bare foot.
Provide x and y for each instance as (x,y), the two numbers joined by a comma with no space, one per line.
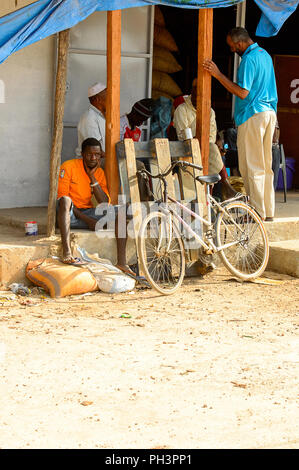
(73,261)
(68,259)
(125,269)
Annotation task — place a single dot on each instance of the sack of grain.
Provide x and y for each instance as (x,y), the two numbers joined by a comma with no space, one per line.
(162,81)
(237,183)
(159,18)
(157,93)
(164,61)
(60,279)
(163,38)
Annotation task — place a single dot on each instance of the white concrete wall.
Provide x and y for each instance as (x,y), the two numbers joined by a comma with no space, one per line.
(26,103)
(9,6)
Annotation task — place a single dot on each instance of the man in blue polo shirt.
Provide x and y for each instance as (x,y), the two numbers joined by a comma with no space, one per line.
(255,117)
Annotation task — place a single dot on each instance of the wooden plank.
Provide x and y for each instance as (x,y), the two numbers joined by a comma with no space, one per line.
(196,159)
(113,101)
(147,149)
(55,158)
(134,193)
(191,189)
(164,161)
(194,149)
(203,107)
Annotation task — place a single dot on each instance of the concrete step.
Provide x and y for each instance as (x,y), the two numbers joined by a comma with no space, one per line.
(16,250)
(15,255)
(286,228)
(284,257)
(283,228)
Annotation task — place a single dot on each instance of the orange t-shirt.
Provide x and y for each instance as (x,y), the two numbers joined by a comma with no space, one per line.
(75,183)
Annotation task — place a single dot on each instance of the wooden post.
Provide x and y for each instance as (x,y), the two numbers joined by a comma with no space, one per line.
(55,158)
(113,101)
(205,45)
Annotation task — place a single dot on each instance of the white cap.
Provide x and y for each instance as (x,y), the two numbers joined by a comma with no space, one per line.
(95,89)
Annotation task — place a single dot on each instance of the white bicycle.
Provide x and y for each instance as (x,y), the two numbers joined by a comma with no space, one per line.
(237,234)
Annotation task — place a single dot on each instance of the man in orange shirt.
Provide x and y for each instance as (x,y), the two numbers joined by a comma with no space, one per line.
(79,180)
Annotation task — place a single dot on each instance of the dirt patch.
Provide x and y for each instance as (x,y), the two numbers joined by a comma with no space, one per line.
(215,365)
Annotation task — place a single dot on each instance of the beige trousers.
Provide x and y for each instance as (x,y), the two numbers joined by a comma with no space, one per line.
(255,161)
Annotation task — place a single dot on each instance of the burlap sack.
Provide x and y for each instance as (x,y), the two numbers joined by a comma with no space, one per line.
(164,61)
(237,183)
(157,93)
(162,81)
(60,279)
(163,38)
(159,18)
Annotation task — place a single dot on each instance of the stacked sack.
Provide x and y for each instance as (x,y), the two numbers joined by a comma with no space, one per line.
(164,62)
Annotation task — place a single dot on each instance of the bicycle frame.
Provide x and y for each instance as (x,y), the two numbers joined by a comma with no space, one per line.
(209,247)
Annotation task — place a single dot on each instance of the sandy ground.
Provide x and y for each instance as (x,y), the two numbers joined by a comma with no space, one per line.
(215,365)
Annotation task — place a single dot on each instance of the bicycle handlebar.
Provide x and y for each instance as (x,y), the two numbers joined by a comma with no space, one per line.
(181,163)
(197,167)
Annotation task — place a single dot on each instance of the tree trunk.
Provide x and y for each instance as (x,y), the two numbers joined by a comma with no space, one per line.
(55,159)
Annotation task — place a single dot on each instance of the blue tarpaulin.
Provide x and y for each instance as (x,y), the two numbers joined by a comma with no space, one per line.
(45,17)
(274,14)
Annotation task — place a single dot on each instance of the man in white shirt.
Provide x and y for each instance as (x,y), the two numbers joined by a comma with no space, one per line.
(93,122)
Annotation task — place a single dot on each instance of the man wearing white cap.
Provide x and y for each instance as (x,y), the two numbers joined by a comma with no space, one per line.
(93,122)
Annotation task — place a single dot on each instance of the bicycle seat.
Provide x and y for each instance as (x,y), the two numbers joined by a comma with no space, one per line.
(209,179)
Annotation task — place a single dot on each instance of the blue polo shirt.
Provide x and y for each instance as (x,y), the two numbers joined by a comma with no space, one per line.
(255,74)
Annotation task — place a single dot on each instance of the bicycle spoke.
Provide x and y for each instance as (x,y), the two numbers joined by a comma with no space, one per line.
(163,255)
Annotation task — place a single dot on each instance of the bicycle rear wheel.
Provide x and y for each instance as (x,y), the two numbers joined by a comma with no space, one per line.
(248,257)
(161,253)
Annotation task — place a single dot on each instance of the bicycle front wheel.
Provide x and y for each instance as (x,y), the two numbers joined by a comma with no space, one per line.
(161,253)
(248,254)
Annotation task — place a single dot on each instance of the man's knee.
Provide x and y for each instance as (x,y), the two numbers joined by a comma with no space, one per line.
(64,204)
